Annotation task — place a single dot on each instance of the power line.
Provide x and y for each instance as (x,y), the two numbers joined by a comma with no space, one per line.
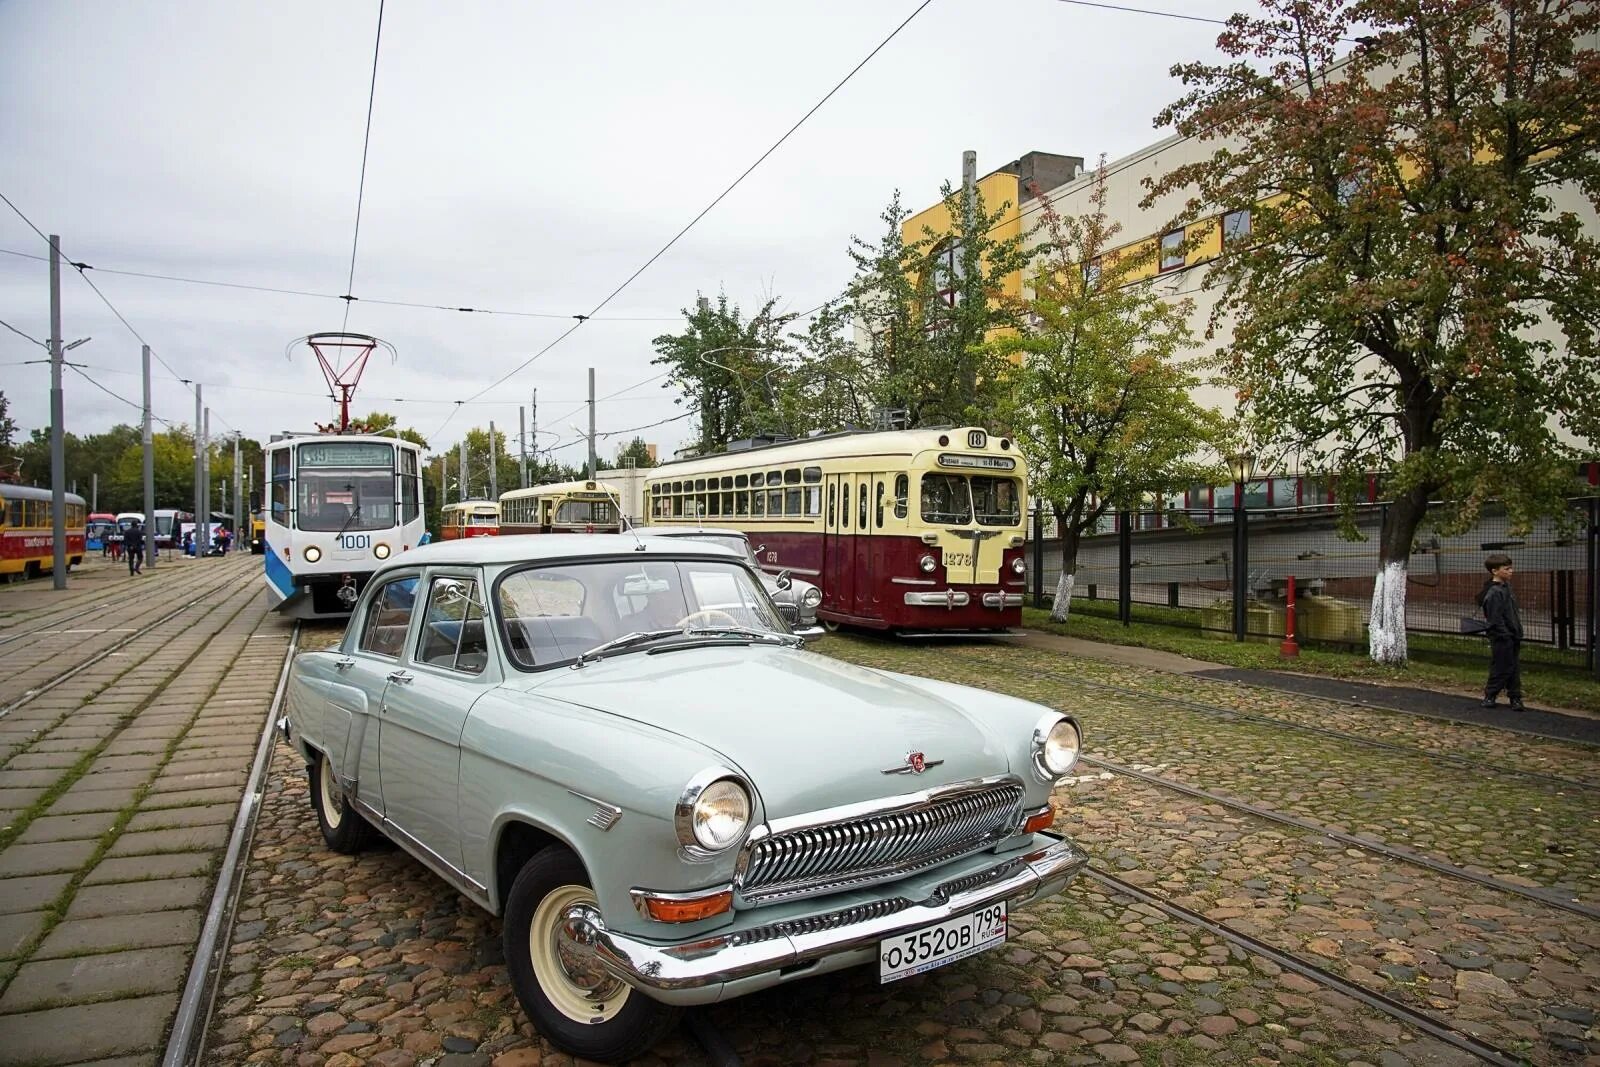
(76,369)
(278,290)
(1176,15)
(707,209)
(361,189)
(22,335)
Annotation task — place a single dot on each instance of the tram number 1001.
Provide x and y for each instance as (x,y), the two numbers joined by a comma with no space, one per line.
(350,541)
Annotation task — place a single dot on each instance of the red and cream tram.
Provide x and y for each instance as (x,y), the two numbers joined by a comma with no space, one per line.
(563,507)
(912,530)
(469,518)
(27,538)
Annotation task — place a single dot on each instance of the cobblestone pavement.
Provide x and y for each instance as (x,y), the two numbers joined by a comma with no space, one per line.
(1445,809)
(370,959)
(117,791)
(340,961)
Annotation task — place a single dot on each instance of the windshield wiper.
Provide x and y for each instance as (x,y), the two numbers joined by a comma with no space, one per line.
(769,636)
(625,641)
(352,517)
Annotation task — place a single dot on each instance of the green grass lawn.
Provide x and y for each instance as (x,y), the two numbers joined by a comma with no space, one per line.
(1438,661)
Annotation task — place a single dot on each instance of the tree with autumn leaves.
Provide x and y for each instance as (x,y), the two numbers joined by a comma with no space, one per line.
(1419,293)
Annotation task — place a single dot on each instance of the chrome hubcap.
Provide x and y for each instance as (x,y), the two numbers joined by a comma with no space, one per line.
(575,937)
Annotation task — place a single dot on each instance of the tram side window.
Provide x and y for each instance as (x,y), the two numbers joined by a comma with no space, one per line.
(902,491)
(880,505)
(741,501)
(774,502)
(945,499)
(813,500)
(409,505)
(844,506)
(832,501)
(791,504)
(13,513)
(280,487)
(862,503)
(758,503)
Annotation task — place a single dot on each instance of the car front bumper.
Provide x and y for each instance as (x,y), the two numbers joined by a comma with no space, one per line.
(746,960)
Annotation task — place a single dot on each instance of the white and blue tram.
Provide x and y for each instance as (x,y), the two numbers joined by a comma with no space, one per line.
(337,506)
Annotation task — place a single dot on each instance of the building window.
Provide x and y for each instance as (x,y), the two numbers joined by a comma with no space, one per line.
(947,273)
(1172,250)
(1235,226)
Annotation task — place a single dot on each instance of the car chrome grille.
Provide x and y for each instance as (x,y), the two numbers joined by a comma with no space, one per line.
(818,923)
(812,860)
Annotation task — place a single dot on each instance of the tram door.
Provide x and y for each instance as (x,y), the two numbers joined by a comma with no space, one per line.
(838,550)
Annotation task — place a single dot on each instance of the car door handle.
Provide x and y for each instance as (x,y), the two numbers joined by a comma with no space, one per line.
(401,676)
(344,664)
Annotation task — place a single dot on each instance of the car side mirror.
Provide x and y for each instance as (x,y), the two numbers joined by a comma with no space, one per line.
(784,580)
(760,549)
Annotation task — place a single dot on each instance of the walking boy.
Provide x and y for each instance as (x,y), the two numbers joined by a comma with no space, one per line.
(133,544)
(1499,605)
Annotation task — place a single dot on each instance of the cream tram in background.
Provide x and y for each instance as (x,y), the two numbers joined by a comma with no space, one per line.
(337,506)
(469,518)
(914,530)
(563,507)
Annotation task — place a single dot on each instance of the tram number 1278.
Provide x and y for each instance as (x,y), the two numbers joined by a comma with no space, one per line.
(355,540)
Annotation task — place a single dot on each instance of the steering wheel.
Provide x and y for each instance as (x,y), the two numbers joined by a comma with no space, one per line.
(713,616)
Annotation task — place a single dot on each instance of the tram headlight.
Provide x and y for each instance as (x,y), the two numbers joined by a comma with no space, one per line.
(1056,744)
(1018,566)
(312,553)
(927,563)
(382,551)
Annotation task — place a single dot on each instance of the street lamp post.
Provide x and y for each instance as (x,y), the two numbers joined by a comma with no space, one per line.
(1242,465)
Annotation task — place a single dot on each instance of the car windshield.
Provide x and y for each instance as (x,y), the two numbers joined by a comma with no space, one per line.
(553,614)
(736,542)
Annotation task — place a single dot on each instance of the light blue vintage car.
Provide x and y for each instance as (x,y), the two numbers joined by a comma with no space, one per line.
(616,744)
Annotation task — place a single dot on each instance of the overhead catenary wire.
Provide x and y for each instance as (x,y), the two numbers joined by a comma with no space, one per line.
(1168,14)
(311,294)
(629,280)
(361,188)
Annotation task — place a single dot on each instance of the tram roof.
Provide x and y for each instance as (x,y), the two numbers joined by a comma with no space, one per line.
(32,492)
(535,548)
(586,486)
(459,505)
(296,437)
(831,446)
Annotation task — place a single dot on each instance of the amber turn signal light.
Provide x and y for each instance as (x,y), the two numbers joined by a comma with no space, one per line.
(688,910)
(1041,819)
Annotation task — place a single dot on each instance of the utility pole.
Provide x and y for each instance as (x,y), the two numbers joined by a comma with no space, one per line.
(241,522)
(58,444)
(199,471)
(591,424)
(969,227)
(150,469)
(94,491)
(494,464)
(522,447)
(204,521)
(462,487)
(533,426)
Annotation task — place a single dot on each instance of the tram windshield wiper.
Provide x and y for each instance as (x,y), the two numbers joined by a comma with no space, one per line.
(355,514)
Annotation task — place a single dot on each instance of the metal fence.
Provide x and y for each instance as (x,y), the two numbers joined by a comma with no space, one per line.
(1229,579)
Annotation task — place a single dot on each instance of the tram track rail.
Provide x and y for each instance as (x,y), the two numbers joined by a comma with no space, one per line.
(51,619)
(226,583)
(1432,1026)
(1220,711)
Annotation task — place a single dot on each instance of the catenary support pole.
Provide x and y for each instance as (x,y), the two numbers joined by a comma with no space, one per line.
(94,491)
(522,447)
(199,472)
(58,444)
(1124,567)
(533,428)
(592,467)
(241,518)
(1241,565)
(494,464)
(461,486)
(203,522)
(1594,587)
(148,442)
(1038,554)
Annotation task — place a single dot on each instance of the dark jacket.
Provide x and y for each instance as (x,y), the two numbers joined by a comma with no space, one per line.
(1500,611)
(133,539)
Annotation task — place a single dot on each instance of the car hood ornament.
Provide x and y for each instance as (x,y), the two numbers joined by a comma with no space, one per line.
(915,763)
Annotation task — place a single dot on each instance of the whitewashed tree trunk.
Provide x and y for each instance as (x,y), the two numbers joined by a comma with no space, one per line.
(1063,601)
(1386,631)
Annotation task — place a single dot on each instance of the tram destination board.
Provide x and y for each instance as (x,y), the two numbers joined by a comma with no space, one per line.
(940,943)
(346,454)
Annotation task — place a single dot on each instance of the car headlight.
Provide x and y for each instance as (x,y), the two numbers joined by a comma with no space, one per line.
(811,597)
(713,811)
(927,563)
(312,553)
(382,551)
(1018,566)
(1056,744)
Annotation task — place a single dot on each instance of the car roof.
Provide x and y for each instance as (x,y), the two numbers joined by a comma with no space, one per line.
(690,531)
(535,548)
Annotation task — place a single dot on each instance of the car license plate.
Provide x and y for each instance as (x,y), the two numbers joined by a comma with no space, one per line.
(933,946)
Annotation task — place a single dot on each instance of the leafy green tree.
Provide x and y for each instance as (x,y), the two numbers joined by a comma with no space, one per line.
(1414,221)
(924,309)
(1099,398)
(635,453)
(725,366)
(8,438)
(381,422)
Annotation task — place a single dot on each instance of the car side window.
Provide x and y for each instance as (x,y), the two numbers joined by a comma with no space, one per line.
(452,629)
(388,618)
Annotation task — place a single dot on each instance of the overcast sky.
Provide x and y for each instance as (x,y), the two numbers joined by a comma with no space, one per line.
(525,156)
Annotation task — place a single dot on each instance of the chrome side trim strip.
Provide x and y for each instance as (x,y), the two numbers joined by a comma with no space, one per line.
(911,581)
(950,598)
(469,886)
